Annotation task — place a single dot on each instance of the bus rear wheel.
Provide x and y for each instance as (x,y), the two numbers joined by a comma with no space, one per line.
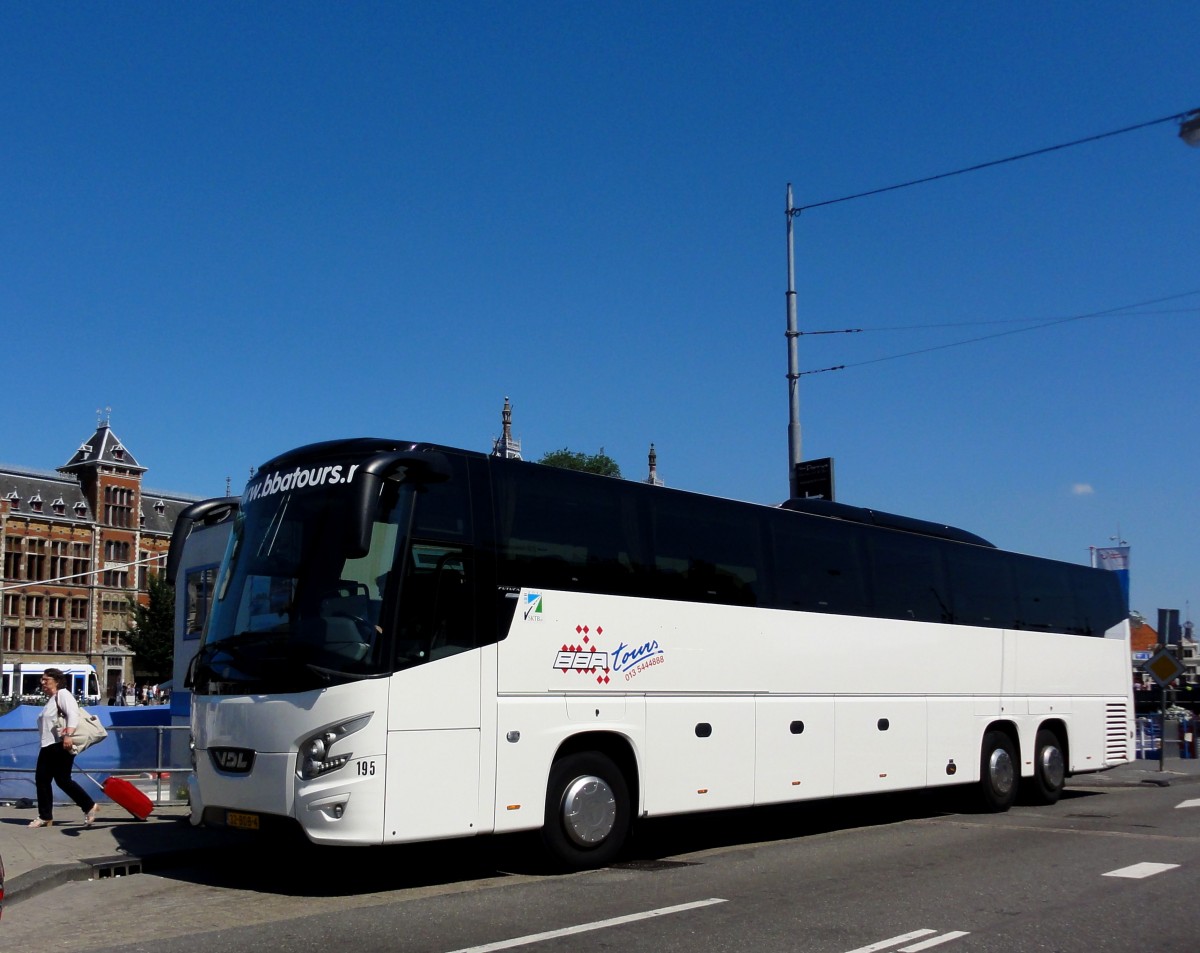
(998,772)
(587,811)
(1049,768)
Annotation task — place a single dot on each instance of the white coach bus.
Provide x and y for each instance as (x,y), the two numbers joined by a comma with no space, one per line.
(410,642)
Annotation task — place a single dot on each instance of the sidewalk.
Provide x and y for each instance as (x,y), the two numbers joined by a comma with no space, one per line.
(118,844)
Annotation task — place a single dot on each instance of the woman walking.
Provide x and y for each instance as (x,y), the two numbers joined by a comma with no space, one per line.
(55,759)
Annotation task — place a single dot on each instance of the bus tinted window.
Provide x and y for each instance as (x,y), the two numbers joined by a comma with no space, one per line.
(981,584)
(706,550)
(563,530)
(908,580)
(819,565)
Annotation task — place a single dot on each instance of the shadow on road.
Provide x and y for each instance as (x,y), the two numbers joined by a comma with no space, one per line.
(277,863)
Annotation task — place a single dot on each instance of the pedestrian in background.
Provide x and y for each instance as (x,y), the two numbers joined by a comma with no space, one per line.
(55,758)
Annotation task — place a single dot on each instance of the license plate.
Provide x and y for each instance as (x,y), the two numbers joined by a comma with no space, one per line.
(247,822)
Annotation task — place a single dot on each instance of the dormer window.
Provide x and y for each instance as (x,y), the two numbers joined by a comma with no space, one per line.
(14,500)
(141,517)
(118,451)
(59,506)
(81,509)
(35,502)
(160,507)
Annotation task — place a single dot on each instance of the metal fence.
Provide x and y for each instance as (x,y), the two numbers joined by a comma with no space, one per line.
(1180,740)
(155,758)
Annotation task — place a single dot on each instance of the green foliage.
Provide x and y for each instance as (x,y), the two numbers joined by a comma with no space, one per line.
(600,462)
(151,633)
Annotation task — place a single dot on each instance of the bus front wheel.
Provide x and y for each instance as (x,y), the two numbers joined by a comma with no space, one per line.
(587,811)
(998,772)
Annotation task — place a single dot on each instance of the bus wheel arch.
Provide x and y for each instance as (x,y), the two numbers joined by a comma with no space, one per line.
(591,796)
(1050,760)
(999,767)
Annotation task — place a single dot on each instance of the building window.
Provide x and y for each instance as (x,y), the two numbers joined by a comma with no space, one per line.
(10,638)
(57,607)
(59,506)
(14,500)
(78,641)
(35,559)
(79,608)
(56,640)
(35,502)
(118,506)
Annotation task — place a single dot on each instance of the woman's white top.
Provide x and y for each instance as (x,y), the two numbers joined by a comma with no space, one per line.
(70,709)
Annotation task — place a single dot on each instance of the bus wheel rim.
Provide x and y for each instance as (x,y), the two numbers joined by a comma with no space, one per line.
(1053,768)
(1000,771)
(589,810)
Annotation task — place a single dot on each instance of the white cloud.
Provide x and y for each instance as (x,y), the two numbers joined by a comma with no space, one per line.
(1082,489)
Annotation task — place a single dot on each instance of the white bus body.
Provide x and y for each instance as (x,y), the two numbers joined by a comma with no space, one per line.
(464,700)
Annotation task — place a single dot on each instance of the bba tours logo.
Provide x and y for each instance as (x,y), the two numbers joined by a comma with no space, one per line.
(587,658)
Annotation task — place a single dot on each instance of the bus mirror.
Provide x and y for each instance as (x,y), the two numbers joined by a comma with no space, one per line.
(398,466)
(207,512)
(428,467)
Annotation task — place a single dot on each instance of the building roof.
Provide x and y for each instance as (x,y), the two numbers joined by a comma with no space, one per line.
(38,493)
(58,494)
(104,447)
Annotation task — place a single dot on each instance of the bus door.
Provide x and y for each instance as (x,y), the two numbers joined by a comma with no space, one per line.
(434,708)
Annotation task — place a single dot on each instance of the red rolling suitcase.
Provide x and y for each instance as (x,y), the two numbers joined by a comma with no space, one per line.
(120,791)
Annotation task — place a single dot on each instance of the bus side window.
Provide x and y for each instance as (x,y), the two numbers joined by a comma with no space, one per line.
(437,617)
(819,566)
(908,581)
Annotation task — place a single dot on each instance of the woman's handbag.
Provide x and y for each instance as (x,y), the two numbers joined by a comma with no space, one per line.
(87,732)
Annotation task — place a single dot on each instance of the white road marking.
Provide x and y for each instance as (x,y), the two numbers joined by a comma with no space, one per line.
(916,947)
(1140,871)
(587,927)
(1194,802)
(884,944)
(934,941)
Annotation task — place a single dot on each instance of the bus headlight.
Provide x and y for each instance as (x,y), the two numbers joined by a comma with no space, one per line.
(315,751)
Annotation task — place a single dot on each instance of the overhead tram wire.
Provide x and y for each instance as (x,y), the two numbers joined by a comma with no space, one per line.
(1174,117)
(1108,312)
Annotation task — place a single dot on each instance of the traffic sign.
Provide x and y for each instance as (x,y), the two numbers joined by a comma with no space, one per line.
(1163,667)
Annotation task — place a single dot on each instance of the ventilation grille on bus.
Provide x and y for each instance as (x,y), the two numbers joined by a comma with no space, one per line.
(1116,742)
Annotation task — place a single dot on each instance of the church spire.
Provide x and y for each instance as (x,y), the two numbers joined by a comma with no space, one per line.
(505,446)
(653,478)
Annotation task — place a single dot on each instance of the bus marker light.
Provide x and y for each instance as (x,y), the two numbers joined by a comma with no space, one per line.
(513,807)
(702,791)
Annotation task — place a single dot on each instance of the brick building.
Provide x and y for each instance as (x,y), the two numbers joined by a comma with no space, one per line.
(78,543)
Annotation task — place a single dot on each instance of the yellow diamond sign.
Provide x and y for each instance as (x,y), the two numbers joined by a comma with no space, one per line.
(1163,667)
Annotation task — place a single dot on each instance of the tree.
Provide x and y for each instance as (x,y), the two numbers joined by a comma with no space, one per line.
(151,632)
(600,462)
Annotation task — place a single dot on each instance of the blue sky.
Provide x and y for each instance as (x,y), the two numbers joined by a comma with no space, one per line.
(253,226)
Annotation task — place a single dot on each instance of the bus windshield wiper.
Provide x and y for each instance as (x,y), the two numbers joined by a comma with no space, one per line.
(330,673)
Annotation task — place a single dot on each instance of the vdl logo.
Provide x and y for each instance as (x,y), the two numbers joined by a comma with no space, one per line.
(232,760)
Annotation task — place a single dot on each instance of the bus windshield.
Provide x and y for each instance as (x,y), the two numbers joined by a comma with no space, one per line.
(299,604)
